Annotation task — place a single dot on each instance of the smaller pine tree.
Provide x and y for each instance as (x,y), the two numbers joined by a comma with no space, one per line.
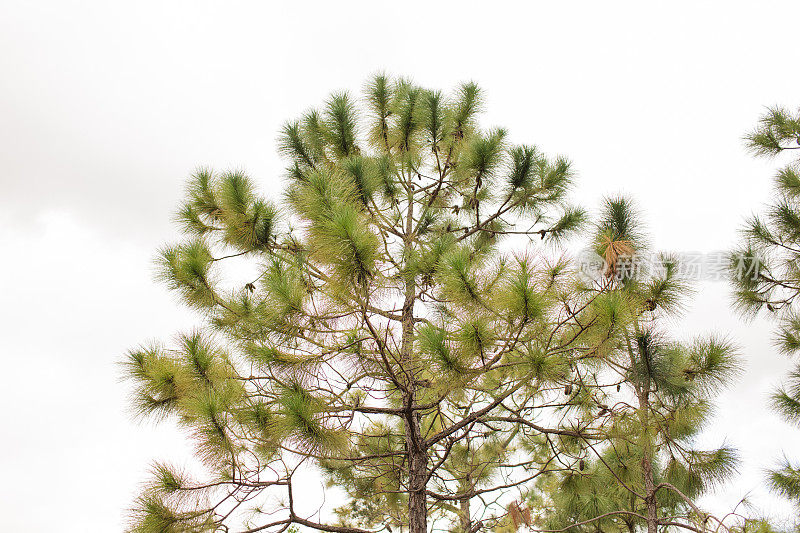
(765,268)
(652,393)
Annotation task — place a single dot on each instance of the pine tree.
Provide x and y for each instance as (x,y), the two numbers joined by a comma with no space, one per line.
(651,392)
(765,270)
(384,338)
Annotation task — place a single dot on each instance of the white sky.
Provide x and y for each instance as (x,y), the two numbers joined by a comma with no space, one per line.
(105,107)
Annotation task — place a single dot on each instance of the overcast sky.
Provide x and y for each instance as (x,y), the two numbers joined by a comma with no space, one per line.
(105,107)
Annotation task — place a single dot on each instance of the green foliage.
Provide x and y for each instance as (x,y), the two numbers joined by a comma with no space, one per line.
(186,268)
(340,126)
(786,481)
(776,129)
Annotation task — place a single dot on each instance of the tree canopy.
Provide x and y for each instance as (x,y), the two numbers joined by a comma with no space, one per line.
(384,338)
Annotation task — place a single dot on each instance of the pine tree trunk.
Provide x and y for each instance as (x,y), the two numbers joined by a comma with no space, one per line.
(650,494)
(415,442)
(417,480)
(466,522)
(647,465)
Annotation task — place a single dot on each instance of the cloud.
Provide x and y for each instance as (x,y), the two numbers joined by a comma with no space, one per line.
(73,301)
